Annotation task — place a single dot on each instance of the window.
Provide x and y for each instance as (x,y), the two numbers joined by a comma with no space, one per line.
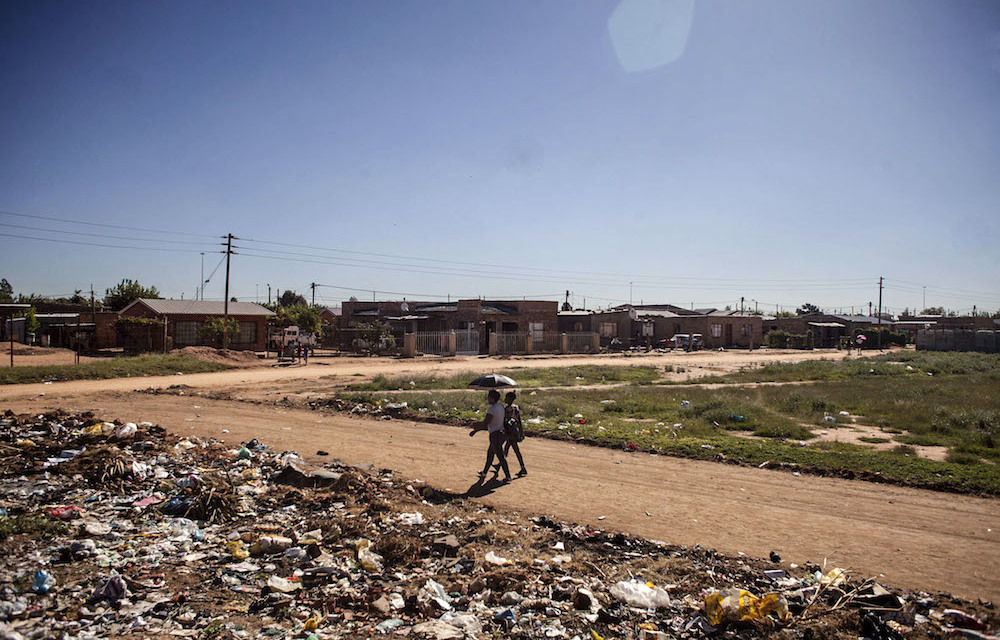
(716,330)
(248,333)
(537,331)
(745,330)
(609,329)
(647,330)
(186,333)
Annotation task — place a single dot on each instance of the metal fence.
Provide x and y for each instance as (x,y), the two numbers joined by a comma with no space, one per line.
(548,342)
(434,342)
(510,343)
(467,342)
(580,342)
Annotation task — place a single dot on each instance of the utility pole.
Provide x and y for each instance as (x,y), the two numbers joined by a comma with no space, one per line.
(869,308)
(93,309)
(925,297)
(630,293)
(880,279)
(225,307)
(741,305)
(268,293)
(313,285)
(202,286)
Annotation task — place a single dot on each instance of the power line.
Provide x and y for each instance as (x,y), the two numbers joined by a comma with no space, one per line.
(96,244)
(100,224)
(98,235)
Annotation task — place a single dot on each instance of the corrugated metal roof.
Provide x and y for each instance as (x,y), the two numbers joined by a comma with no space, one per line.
(168,307)
(826,324)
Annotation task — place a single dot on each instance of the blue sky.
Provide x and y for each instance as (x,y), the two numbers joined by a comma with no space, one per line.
(782,151)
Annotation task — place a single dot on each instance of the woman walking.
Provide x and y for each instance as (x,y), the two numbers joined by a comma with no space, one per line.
(514,429)
(494,423)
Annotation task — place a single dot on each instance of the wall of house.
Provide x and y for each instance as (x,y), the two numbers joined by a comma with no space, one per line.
(175,341)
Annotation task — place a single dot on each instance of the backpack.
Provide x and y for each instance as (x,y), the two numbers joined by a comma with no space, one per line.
(512,424)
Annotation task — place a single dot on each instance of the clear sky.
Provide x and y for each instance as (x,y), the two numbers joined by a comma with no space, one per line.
(783,151)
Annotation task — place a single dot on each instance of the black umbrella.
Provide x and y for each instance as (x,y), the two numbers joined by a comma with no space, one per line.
(492,381)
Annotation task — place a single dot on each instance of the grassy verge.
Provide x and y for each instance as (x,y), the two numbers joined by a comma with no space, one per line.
(147,365)
(957,410)
(525,377)
(892,364)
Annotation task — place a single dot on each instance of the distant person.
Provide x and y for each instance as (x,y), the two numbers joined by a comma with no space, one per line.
(493,422)
(513,429)
(859,341)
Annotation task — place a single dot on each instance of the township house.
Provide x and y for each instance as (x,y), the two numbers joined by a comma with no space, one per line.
(642,325)
(471,320)
(183,318)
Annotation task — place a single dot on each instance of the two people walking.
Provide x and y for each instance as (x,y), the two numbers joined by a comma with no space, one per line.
(504,426)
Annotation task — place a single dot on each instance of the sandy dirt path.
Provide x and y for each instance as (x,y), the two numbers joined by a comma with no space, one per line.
(343,369)
(912,538)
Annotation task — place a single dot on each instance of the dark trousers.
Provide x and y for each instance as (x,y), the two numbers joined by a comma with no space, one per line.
(497,440)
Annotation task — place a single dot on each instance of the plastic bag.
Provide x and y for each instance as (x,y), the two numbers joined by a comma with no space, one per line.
(640,594)
(370,560)
(737,605)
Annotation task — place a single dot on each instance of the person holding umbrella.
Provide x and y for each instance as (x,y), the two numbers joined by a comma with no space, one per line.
(860,341)
(494,423)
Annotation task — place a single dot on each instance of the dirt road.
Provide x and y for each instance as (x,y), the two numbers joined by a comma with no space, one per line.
(912,538)
(343,369)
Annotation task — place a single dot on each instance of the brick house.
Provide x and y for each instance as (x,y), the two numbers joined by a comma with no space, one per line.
(537,317)
(184,318)
(718,327)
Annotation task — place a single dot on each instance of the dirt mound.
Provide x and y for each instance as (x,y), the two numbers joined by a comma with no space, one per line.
(224,356)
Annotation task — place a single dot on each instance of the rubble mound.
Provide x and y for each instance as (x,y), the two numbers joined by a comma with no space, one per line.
(222,356)
(112,529)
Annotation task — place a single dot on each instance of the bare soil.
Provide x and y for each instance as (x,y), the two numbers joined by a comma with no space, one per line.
(909,537)
(912,538)
(27,356)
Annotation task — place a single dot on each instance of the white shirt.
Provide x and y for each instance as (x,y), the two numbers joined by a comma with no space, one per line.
(495,416)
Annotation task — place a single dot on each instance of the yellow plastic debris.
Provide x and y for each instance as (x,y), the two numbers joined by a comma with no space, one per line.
(596,635)
(737,605)
(834,577)
(236,550)
(25,443)
(312,623)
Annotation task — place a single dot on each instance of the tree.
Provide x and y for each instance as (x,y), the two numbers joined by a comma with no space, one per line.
(125,293)
(212,331)
(291,299)
(374,334)
(806,309)
(933,311)
(352,299)
(304,317)
(31,323)
(6,291)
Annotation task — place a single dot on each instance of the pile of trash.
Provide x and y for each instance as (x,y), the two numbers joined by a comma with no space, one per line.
(122,529)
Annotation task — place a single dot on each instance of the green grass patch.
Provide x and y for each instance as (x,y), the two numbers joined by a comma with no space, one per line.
(958,410)
(526,378)
(874,439)
(35,525)
(893,364)
(147,365)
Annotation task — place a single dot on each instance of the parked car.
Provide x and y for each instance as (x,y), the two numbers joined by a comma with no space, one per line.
(681,341)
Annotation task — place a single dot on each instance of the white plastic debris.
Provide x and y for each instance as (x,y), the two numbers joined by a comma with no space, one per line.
(640,594)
